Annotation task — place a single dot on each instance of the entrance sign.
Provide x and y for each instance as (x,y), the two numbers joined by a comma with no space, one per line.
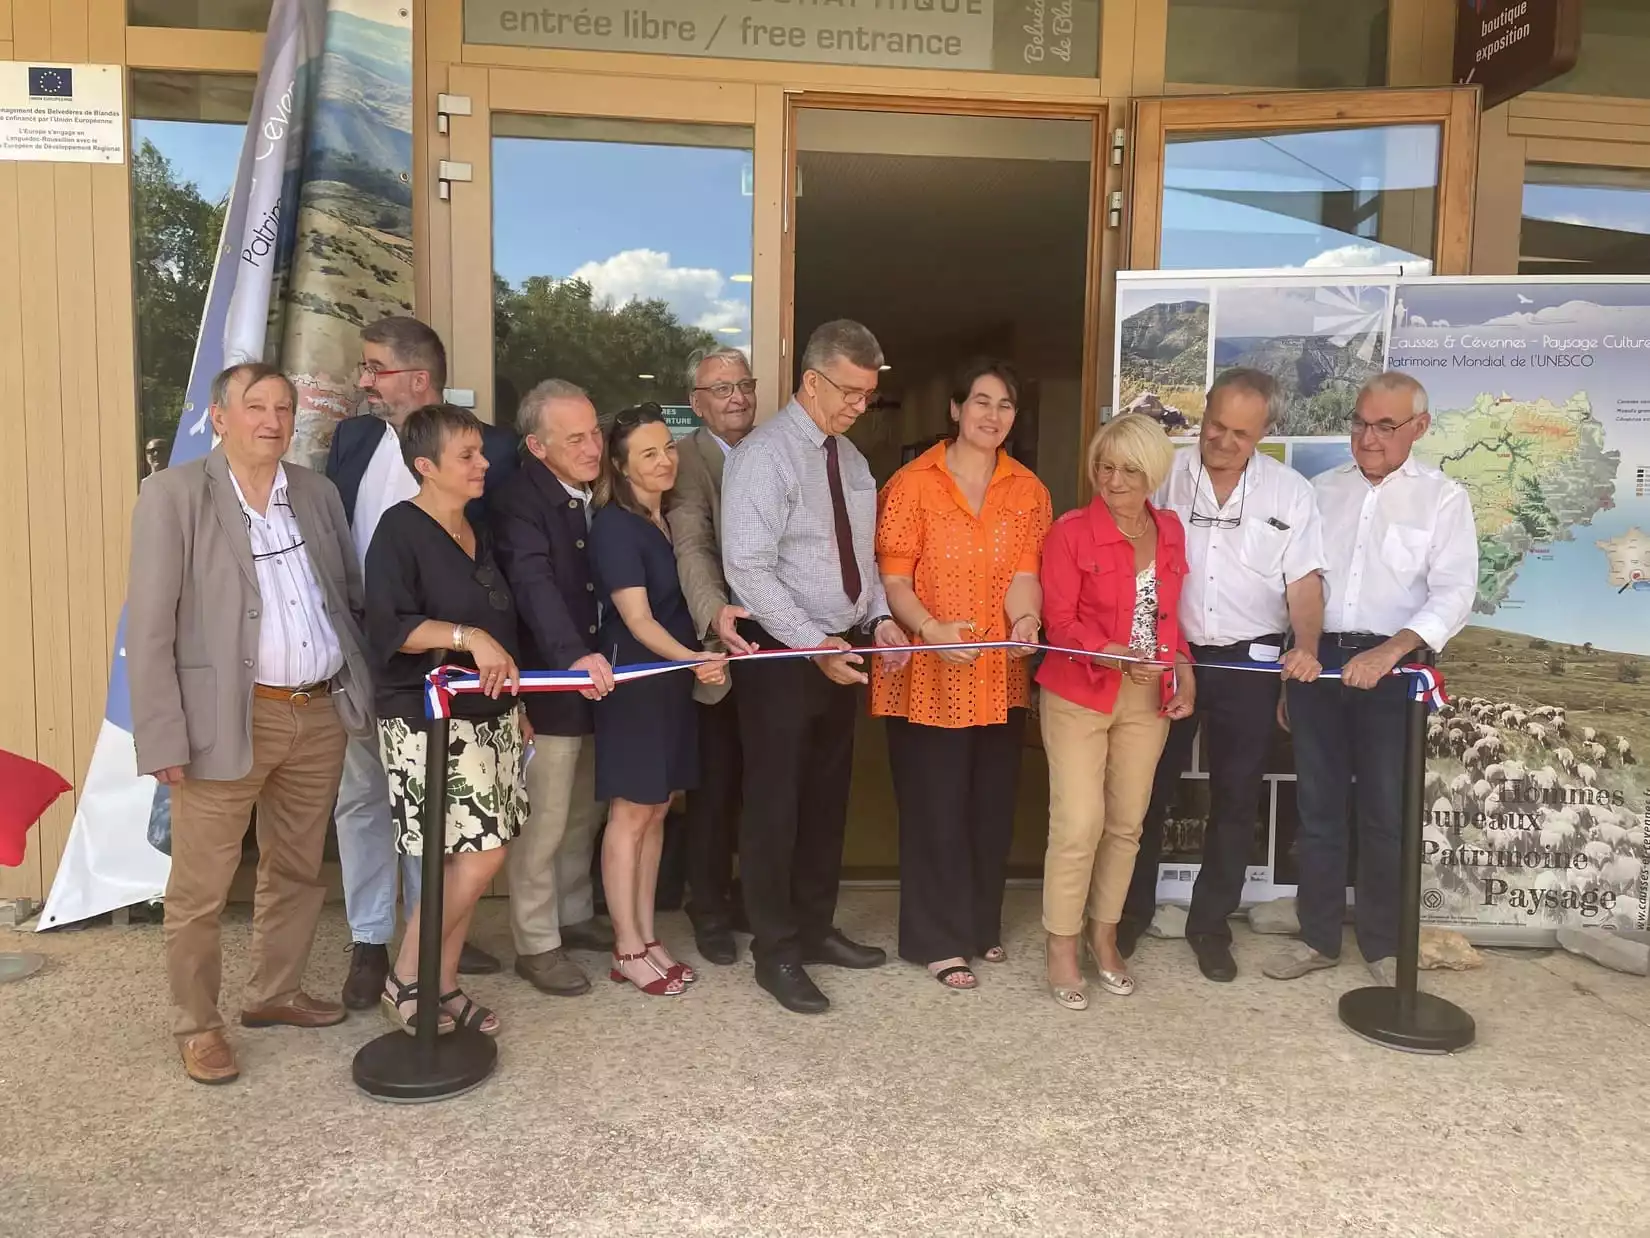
(62,113)
(1537,792)
(1059,38)
(1510,46)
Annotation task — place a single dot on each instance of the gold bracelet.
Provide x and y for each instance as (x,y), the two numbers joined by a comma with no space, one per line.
(458,638)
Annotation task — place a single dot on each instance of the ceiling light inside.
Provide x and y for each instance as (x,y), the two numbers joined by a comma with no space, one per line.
(644,376)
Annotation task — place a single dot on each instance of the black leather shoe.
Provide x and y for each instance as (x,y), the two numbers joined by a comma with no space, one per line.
(715,942)
(835,950)
(1129,933)
(1214,958)
(792,988)
(369,966)
(474,961)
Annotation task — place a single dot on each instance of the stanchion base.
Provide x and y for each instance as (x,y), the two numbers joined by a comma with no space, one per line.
(395,1067)
(1430,1025)
(19,966)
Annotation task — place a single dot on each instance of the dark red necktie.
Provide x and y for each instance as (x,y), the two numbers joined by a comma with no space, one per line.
(839,516)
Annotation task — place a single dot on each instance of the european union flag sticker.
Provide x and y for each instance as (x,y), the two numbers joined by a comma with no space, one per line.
(51,83)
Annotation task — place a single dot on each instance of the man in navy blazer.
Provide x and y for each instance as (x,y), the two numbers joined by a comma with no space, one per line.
(403,368)
(541,522)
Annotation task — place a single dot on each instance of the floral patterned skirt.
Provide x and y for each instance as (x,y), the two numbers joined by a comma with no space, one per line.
(486,795)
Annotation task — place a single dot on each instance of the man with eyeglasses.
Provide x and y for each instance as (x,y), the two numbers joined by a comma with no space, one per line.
(403,368)
(1252,597)
(723,395)
(799,511)
(1401,575)
(243,644)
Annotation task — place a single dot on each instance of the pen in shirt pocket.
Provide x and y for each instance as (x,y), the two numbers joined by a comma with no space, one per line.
(1277,524)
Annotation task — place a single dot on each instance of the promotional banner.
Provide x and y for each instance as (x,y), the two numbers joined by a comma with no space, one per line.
(1538,805)
(317,242)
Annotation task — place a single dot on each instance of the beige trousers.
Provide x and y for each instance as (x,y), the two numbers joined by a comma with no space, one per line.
(1100,770)
(297,757)
(549,864)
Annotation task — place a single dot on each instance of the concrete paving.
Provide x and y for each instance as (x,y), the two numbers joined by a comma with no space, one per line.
(1189,1108)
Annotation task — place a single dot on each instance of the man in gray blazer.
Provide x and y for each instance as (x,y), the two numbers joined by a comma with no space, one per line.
(243,648)
(723,394)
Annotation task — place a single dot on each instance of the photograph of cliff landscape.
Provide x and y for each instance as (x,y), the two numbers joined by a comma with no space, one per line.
(1321,342)
(1163,355)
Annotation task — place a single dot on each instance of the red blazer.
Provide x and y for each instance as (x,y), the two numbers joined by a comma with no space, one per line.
(1088,600)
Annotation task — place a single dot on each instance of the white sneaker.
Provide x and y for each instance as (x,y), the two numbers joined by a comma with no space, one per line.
(1383,971)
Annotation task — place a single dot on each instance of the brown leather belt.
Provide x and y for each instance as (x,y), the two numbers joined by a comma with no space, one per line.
(294,696)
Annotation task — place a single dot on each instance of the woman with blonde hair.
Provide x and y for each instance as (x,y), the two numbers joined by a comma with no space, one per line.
(1111,574)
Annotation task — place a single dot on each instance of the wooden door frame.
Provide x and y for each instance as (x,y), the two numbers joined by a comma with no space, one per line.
(1094,111)
(1454,110)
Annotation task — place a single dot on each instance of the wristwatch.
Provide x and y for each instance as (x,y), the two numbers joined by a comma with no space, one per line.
(869,627)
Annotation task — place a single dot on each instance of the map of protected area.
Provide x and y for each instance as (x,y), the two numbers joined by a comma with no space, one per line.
(1534,469)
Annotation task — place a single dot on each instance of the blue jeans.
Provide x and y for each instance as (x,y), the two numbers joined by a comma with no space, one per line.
(366,847)
(1344,734)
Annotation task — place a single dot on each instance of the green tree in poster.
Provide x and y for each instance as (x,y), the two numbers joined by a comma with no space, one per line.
(175,238)
(550,328)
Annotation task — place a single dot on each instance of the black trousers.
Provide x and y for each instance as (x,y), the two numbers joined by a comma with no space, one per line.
(797,731)
(713,812)
(956,789)
(1238,710)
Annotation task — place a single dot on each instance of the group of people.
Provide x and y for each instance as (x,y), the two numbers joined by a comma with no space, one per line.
(281,625)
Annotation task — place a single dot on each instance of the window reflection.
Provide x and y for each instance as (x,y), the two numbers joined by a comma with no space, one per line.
(186,141)
(1615,47)
(1585,221)
(200,14)
(1322,198)
(619,248)
(1314,44)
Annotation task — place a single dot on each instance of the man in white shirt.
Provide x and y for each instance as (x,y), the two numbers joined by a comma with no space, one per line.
(1401,574)
(1253,557)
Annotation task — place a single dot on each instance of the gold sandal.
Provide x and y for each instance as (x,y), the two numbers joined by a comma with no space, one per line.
(1069,997)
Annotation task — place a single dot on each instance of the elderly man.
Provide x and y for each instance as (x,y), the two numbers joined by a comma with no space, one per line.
(403,368)
(799,510)
(244,650)
(1401,575)
(1253,551)
(541,519)
(723,394)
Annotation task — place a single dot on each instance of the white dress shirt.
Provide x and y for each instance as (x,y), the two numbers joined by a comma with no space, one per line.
(297,645)
(720,442)
(1234,588)
(386,482)
(1403,553)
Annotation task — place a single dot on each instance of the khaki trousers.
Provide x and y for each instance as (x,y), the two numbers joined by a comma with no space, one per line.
(297,757)
(549,864)
(1100,769)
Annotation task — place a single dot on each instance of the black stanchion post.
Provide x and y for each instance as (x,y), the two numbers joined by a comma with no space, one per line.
(1404,1017)
(427,1065)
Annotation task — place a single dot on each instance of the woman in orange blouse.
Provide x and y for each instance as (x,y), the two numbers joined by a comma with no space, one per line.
(959,538)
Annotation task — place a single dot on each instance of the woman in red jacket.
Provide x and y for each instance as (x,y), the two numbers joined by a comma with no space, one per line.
(1111,576)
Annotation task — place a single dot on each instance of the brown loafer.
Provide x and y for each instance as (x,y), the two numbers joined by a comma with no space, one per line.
(302,1011)
(553,972)
(208,1058)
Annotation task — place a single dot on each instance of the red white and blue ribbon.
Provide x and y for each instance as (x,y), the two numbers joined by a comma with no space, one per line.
(445,682)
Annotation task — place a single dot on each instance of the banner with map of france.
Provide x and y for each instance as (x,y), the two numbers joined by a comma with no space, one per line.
(1538,797)
(1538,792)
(317,241)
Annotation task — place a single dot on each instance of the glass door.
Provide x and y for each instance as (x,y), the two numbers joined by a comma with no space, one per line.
(1330,179)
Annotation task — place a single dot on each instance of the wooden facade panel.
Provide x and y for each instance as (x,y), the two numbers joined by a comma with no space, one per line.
(1569,131)
(194,51)
(771,292)
(16,614)
(70,29)
(116,414)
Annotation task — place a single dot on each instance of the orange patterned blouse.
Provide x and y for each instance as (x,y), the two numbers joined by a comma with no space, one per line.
(961,566)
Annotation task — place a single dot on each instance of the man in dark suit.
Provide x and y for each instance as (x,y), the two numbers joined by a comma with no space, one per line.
(541,519)
(723,395)
(403,368)
(243,644)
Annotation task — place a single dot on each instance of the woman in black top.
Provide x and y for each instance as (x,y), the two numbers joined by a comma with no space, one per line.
(646,735)
(434,596)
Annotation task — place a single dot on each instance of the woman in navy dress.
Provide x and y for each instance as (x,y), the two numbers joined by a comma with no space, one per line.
(647,744)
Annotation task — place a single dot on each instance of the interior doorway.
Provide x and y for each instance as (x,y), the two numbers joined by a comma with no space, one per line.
(950,236)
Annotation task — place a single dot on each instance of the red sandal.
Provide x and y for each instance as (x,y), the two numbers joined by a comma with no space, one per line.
(667,985)
(682,970)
